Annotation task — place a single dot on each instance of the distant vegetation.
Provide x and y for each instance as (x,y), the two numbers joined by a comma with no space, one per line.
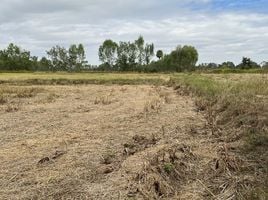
(123,56)
(13,58)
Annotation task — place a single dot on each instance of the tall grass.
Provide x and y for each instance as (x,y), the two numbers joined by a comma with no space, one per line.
(244,102)
(236,112)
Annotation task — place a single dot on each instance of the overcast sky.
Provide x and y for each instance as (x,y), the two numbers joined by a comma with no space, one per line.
(221,30)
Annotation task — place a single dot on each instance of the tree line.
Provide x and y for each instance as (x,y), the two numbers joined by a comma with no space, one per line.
(138,55)
(13,58)
(246,63)
(125,56)
(134,55)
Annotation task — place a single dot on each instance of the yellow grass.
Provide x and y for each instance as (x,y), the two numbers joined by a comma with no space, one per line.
(141,139)
(83,76)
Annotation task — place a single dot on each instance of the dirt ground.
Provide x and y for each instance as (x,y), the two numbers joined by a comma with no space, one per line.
(104,142)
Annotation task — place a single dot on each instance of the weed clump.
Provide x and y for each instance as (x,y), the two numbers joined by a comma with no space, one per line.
(168,167)
(12,108)
(153,105)
(104,100)
(3,100)
(108,158)
(138,144)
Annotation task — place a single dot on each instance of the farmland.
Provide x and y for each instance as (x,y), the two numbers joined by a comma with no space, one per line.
(133,136)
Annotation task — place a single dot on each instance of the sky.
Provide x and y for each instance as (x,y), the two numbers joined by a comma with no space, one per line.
(221,30)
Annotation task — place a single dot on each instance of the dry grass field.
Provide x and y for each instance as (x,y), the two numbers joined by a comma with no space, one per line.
(131,140)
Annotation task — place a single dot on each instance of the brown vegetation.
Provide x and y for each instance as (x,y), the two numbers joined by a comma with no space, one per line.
(202,138)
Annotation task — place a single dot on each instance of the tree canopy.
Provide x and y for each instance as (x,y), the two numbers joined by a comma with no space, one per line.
(15,58)
(62,59)
(107,52)
(137,55)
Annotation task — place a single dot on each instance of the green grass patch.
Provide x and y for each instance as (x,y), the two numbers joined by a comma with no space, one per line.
(63,78)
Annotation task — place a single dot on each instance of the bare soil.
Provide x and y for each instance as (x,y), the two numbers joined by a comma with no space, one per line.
(106,142)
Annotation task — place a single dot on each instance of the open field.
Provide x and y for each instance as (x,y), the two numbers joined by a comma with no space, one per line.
(133,136)
(82,78)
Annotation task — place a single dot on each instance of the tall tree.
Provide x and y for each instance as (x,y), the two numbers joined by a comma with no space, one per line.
(141,50)
(59,58)
(149,52)
(123,56)
(81,57)
(62,59)
(107,52)
(132,55)
(15,58)
(73,57)
(247,63)
(184,58)
(76,55)
(189,57)
(159,54)
(44,64)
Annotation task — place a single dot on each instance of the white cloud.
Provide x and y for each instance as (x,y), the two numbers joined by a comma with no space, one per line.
(38,25)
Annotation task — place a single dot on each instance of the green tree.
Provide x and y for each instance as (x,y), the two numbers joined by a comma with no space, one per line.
(15,58)
(44,64)
(159,54)
(59,58)
(76,54)
(184,58)
(149,53)
(264,65)
(141,51)
(81,57)
(247,63)
(127,56)
(107,52)
(228,64)
(62,59)
(34,63)
(132,55)
(189,57)
(122,56)
(73,57)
